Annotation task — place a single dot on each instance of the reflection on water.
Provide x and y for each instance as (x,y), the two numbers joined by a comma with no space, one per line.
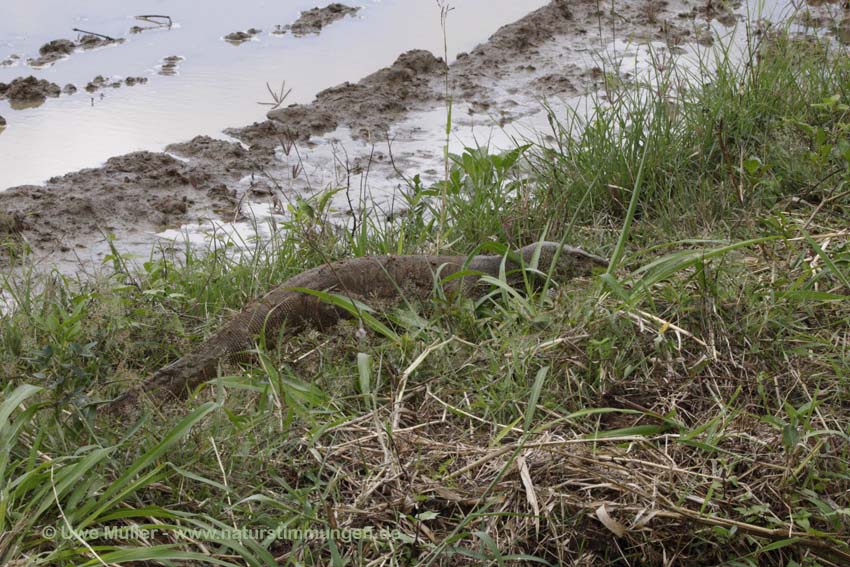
(216,84)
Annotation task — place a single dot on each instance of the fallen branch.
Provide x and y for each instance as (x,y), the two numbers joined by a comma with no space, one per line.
(78,30)
(154,19)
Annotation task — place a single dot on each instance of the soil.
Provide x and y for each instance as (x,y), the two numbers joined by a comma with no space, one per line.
(2,121)
(10,60)
(541,55)
(312,21)
(239,37)
(28,90)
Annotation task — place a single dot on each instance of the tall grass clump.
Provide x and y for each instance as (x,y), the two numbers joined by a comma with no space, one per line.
(727,137)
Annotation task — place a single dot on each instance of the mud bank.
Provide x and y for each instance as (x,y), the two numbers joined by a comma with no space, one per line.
(544,54)
(134,193)
(368,107)
(529,58)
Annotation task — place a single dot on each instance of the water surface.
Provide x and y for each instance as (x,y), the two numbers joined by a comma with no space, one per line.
(218,84)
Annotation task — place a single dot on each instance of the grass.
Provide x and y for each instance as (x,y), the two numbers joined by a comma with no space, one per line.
(690,406)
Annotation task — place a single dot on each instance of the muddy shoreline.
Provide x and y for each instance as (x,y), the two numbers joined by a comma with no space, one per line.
(142,193)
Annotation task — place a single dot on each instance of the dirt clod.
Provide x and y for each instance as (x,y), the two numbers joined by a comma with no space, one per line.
(29,89)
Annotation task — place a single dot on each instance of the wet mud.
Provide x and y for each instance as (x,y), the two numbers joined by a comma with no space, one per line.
(137,192)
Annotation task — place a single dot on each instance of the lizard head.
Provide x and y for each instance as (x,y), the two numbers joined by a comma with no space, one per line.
(561,260)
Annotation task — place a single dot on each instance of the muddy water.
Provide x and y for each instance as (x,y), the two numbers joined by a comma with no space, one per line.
(217,84)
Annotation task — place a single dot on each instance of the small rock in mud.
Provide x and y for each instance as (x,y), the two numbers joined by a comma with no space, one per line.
(2,121)
(93,41)
(168,66)
(238,37)
(69,89)
(312,21)
(10,60)
(29,89)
